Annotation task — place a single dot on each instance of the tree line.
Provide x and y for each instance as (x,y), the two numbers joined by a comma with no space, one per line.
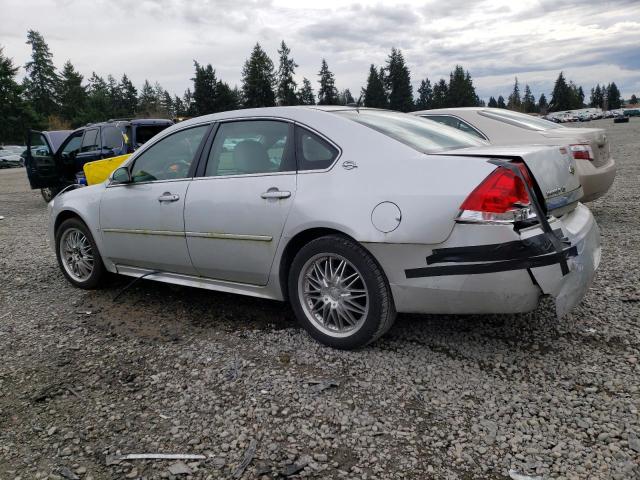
(48,98)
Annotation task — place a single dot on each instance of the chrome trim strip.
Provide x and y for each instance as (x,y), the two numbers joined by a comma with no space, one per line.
(212,235)
(230,236)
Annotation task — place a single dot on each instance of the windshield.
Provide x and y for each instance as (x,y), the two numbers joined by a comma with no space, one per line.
(520,119)
(418,133)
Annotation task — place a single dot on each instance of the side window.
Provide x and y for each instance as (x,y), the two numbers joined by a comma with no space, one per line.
(90,141)
(465,127)
(112,138)
(313,152)
(445,120)
(170,158)
(246,147)
(72,145)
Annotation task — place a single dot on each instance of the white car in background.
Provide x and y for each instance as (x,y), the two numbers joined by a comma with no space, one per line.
(350,214)
(589,146)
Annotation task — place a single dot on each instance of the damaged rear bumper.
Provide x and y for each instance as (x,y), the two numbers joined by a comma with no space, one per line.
(504,272)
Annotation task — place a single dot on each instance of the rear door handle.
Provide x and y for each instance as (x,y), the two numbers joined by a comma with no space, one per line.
(168,197)
(275,193)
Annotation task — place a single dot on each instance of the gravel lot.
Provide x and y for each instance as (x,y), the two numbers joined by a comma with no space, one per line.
(178,370)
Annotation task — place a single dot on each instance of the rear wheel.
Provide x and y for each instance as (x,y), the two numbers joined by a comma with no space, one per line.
(78,255)
(339,293)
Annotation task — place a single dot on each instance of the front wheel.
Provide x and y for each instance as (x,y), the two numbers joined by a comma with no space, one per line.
(78,254)
(339,293)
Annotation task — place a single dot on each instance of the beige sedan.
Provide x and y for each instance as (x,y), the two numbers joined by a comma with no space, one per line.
(589,146)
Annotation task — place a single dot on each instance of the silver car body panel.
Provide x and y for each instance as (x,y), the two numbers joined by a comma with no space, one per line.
(231,239)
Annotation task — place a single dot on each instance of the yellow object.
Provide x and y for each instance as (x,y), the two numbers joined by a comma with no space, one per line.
(99,171)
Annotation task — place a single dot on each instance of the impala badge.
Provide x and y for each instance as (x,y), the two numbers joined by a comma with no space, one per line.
(349,165)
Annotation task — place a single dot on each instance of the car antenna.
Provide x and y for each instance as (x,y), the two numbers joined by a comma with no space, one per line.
(356,104)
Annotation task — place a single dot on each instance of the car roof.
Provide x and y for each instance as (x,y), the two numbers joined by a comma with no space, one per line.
(455,109)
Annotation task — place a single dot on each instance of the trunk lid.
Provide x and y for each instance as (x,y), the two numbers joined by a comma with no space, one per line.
(595,137)
(552,168)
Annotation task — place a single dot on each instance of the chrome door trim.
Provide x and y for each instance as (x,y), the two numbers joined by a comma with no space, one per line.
(212,235)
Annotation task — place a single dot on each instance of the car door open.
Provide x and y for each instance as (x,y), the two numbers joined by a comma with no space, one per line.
(235,213)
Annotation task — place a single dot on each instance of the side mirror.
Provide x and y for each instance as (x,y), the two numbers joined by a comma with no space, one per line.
(121,175)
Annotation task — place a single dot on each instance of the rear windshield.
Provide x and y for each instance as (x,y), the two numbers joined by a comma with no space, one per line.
(418,133)
(144,133)
(519,119)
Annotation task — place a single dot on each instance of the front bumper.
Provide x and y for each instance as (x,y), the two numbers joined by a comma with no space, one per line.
(492,269)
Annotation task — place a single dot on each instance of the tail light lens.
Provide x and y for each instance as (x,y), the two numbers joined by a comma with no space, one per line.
(501,198)
(581,151)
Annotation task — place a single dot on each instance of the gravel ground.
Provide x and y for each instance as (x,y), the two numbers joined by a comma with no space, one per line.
(178,370)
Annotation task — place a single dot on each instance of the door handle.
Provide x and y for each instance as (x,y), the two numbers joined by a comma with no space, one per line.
(275,193)
(168,197)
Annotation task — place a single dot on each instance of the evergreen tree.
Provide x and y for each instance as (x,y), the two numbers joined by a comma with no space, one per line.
(15,114)
(72,95)
(327,93)
(258,79)
(374,94)
(345,97)
(543,106)
(441,94)
(580,97)
(128,96)
(425,95)
(41,81)
(187,100)
(226,98)
(178,107)
(98,100)
(501,103)
(167,108)
(286,91)
(147,100)
(493,103)
(115,97)
(514,102)
(633,100)
(461,92)
(398,82)
(561,98)
(204,90)
(614,100)
(305,94)
(528,101)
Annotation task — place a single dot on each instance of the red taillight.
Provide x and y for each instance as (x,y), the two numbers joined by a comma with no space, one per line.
(581,151)
(501,197)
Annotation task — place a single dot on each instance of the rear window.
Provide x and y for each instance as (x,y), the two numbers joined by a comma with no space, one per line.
(144,133)
(418,133)
(519,119)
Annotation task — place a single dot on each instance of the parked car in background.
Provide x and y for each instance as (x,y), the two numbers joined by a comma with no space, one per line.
(52,166)
(589,146)
(10,160)
(336,210)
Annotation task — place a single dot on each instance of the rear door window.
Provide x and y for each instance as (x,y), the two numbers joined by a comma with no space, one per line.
(455,122)
(112,138)
(313,152)
(91,140)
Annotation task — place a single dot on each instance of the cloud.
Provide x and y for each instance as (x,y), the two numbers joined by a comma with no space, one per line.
(493,39)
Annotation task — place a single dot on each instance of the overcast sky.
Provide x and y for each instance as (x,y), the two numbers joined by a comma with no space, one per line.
(592,40)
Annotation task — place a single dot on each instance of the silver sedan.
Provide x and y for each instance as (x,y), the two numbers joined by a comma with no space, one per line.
(350,214)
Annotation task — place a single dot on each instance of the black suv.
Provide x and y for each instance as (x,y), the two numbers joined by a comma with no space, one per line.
(51,168)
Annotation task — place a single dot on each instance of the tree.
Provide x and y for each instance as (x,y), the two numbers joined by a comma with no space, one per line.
(187,101)
(633,100)
(71,94)
(147,102)
(178,107)
(226,98)
(514,102)
(327,93)
(614,100)
(398,82)
(345,97)
(543,106)
(204,89)
(98,100)
(15,114)
(425,95)
(286,91)
(493,103)
(305,94)
(528,101)
(461,92)
(374,93)
(580,97)
(128,96)
(41,81)
(258,79)
(561,95)
(501,103)
(441,94)
(597,97)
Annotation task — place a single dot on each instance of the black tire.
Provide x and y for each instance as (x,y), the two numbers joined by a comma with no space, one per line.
(98,272)
(381,311)
(49,193)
